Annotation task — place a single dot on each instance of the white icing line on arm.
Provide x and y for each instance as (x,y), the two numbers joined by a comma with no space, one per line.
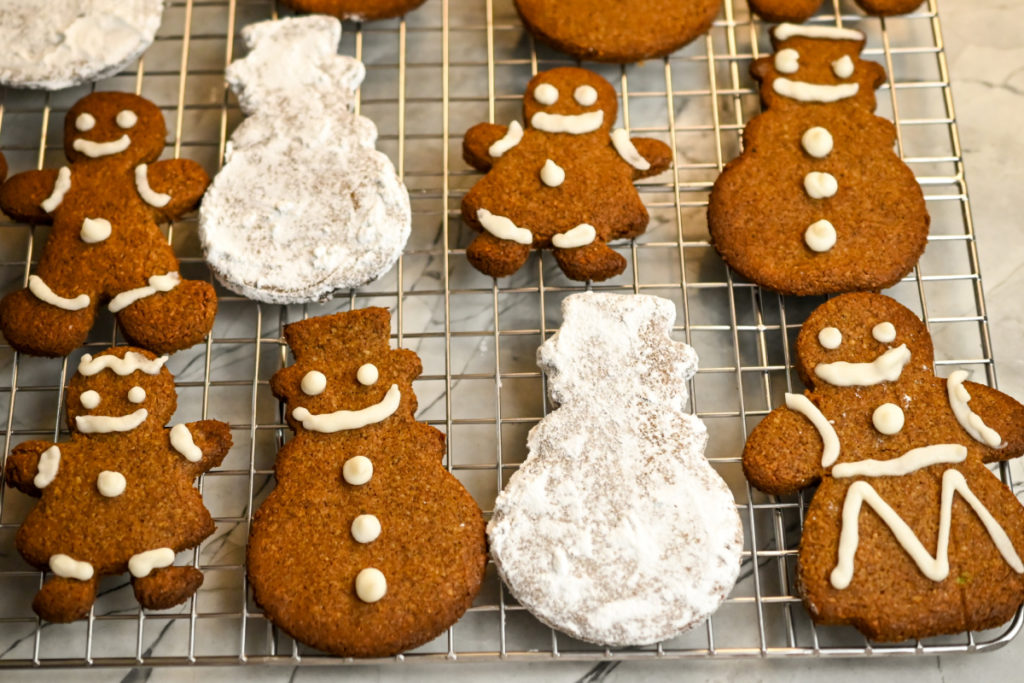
(512,137)
(968,419)
(814,92)
(911,461)
(886,368)
(60,188)
(93,149)
(503,228)
(580,236)
(46,470)
(574,124)
(67,567)
(182,441)
(627,150)
(157,283)
(42,291)
(131,362)
(151,197)
(104,424)
(786,31)
(142,564)
(801,404)
(341,420)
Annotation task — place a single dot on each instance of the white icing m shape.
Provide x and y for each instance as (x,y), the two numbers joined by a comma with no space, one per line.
(132,362)
(341,420)
(886,368)
(574,124)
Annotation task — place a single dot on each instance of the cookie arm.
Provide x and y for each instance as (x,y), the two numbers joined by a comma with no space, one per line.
(182,180)
(23,465)
(478,141)
(657,154)
(212,438)
(21,196)
(1001,413)
(783,453)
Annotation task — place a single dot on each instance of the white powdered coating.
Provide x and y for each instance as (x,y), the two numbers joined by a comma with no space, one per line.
(55,44)
(616,529)
(304,204)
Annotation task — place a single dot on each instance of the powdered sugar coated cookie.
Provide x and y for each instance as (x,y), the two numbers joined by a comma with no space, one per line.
(616,529)
(304,204)
(55,44)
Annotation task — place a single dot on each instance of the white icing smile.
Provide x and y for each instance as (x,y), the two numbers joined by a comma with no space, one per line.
(104,424)
(886,368)
(93,149)
(341,420)
(575,124)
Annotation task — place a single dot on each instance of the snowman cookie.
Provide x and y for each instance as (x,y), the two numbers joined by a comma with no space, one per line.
(616,529)
(105,246)
(564,183)
(368,546)
(304,204)
(119,496)
(55,44)
(801,10)
(818,203)
(909,534)
(357,10)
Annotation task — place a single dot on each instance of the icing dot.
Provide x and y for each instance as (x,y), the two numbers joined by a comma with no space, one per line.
(888,418)
(313,383)
(111,484)
(358,470)
(787,61)
(830,337)
(95,230)
(371,585)
(136,394)
(820,236)
(367,374)
(551,174)
(85,122)
(585,95)
(365,528)
(126,118)
(820,185)
(884,332)
(546,94)
(843,67)
(90,399)
(817,142)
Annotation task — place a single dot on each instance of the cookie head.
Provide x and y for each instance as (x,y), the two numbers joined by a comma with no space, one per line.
(120,390)
(113,125)
(570,100)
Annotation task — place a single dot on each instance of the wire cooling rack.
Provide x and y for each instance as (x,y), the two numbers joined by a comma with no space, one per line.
(432,75)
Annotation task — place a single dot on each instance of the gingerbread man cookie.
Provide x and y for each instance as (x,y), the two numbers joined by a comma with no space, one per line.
(105,245)
(368,546)
(357,10)
(909,534)
(801,10)
(818,202)
(564,183)
(118,496)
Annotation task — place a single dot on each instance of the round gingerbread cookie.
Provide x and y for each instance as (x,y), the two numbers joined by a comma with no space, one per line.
(357,10)
(55,44)
(616,31)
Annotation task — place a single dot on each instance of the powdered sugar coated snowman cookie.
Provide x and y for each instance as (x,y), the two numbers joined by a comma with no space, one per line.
(616,529)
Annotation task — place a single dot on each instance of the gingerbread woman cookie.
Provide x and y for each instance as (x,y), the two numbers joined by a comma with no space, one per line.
(357,10)
(909,534)
(119,496)
(801,10)
(818,203)
(105,245)
(564,183)
(368,546)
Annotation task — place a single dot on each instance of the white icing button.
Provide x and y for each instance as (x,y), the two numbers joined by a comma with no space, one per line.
(888,418)
(546,94)
(551,174)
(111,484)
(136,394)
(371,585)
(313,383)
(358,470)
(820,236)
(817,142)
(367,374)
(85,122)
(830,337)
(884,332)
(90,399)
(126,118)
(95,230)
(843,67)
(820,185)
(365,528)
(787,61)
(585,95)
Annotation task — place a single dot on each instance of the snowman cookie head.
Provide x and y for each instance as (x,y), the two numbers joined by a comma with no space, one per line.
(114,125)
(570,100)
(120,390)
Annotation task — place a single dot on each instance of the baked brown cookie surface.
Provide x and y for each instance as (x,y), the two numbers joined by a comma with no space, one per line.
(105,245)
(368,546)
(818,202)
(119,496)
(801,10)
(357,10)
(909,534)
(617,31)
(564,183)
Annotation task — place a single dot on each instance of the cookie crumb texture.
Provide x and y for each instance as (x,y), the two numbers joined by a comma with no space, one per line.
(818,203)
(357,10)
(304,204)
(323,571)
(909,535)
(801,10)
(617,31)
(56,44)
(616,529)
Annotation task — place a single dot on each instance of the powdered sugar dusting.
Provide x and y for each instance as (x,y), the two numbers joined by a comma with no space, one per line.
(304,204)
(616,529)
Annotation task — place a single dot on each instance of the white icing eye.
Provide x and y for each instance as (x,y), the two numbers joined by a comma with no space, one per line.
(843,67)
(358,470)
(888,418)
(585,95)
(126,118)
(85,122)
(90,399)
(787,61)
(367,374)
(136,394)
(884,332)
(546,94)
(830,338)
(313,383)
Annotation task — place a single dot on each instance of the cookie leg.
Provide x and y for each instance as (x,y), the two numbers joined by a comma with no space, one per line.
(496,257)
(34,326)
(167,587)
(169,321)
(595,261)
(62,600)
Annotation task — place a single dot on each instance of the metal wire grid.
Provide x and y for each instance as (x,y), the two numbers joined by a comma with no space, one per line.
(425,85)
